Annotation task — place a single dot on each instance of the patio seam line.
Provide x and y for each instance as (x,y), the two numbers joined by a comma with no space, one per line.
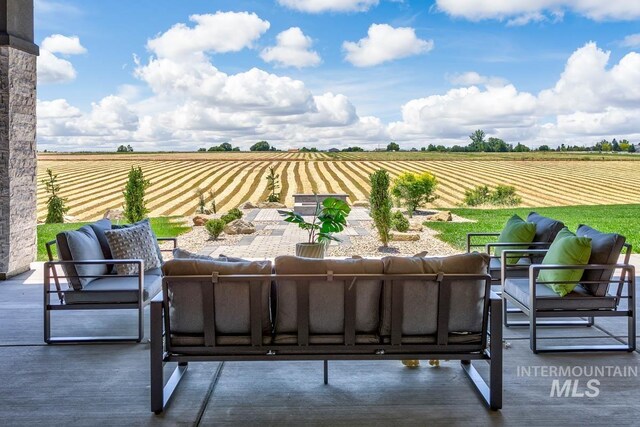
(208,395)
(614,337)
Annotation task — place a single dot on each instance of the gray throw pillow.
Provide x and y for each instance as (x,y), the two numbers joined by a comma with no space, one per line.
(81,245)
(133,243)
(145,223)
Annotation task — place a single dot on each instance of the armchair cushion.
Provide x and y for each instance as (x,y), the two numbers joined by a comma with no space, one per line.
(516,230)
(547,299)
(117,289)
(605,249)
(566,249)
(80,245)
(133,243)
(546,228)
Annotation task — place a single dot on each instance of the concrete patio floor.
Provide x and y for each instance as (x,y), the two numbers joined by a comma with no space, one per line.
(109,384)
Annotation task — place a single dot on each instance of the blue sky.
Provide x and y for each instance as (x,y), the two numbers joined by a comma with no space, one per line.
(100,85)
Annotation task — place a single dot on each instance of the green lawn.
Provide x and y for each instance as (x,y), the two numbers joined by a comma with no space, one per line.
(622,219)
(163,227)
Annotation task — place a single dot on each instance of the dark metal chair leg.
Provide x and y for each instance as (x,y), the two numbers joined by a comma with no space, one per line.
(326,372)
(495,367)
(157,377)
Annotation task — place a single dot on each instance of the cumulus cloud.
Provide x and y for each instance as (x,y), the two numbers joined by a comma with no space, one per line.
(471,78)
(523,11)
(57,43)
(632,40)
(292,49)
(53,69)
(385,43)
(319,6)
(218,33)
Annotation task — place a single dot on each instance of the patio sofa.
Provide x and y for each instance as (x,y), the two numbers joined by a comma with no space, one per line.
(305,309)
(89,269)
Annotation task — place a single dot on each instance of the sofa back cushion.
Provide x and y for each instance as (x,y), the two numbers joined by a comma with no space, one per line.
(420,297)
(80,245)
(326,298)
(605,249)
(232,299)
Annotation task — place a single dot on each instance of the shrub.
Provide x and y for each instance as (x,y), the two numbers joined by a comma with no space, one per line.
(413,190)
(273,183)
(399,222)
(212,195)
(232,215)
(55,204)
(134,204)
(502,195)
(380,202)
(215,227)
(202,206)
(505,195)
(479,195)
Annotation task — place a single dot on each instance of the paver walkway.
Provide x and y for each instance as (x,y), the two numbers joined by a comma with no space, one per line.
(276,237)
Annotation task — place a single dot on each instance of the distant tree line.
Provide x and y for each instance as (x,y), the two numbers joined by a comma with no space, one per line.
(225,146)
(124,149)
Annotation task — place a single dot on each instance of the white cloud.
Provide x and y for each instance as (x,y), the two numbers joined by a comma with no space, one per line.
(219,33)
(292,50)
(319,6)
(471,78)
(385,43)
(57,43)
(632,40)
(598,10)
(51,68)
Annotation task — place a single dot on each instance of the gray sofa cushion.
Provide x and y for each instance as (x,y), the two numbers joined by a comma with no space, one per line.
(420,297)
(546,228)
(326,298)
(146,223)
(120,289)
(605,249)
(232,299)
(183,254)
(79,245)
(133,243)
(547,299)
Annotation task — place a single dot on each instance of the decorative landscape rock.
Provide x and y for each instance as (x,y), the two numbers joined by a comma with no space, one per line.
(114,214)
(443,216)
(416,227)
(270,205)
(248,205)
(404,237)
(200,220)
(239,226)
(361,204)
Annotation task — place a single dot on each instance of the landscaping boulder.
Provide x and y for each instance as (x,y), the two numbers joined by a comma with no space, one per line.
(443,216)
(416,227)
(114,214)
(361,204)
(200,220)
(270,205)
(404,237)
(248,205)
(239,226)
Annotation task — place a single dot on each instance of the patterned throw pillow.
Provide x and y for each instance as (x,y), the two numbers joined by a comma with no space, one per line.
(133,243)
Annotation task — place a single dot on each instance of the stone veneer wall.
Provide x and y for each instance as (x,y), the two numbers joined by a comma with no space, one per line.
(18,160)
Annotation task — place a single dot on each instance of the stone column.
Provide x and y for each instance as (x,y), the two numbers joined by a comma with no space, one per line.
(18,161)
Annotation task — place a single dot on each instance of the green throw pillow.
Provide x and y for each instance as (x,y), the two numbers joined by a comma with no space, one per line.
(516,230)
(566,249)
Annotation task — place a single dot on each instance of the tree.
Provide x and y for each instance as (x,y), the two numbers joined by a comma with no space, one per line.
(202,206)
(393,147)
(212,196)
(521,148)
(55,204)
(122,149)
(226,146)
(496,145)
(134,204)
(273,183)
(544,148)
(413,190)
(380,202)
(632,148)
(200,150)
(129,149)
(477,141)
(261,146)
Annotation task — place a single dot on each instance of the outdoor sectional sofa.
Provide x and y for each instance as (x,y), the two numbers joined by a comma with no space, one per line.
(304,309)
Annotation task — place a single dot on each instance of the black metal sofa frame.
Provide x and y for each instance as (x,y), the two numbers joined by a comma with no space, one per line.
(392,347)
(562,306)
(52,277)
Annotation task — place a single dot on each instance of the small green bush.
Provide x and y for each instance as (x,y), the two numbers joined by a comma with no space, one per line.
(477,196)
(413,190)
(505,195)
(232,215)
(56,205)
(215,227)
(380,202)
(502,195)
(399,222)
(135,208)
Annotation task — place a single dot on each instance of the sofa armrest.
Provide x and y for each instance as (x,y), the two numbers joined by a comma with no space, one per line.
(470,237)
(540,245)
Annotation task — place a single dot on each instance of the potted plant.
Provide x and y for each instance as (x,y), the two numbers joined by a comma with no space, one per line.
(330,217)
